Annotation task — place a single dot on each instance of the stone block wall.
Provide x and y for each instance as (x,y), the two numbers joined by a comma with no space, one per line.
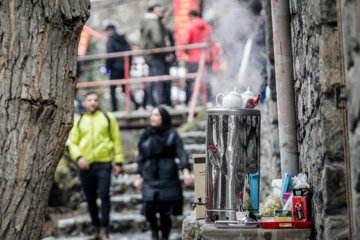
(316,56)
(351,47)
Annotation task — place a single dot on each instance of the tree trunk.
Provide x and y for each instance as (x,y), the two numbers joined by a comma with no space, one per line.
(37,85)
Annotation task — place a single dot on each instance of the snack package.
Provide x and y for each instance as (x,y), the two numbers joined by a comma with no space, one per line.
(271,203)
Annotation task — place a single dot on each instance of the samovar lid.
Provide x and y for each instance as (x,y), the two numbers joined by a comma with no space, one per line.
(233,111)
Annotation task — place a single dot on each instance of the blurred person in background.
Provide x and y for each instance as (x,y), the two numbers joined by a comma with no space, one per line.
(259,53)
(157,173)
(117,43)
(95,143)
(78,104)
(197,31)
(170,60)
(153,36)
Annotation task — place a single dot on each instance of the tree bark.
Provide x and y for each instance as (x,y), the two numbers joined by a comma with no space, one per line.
(38,49)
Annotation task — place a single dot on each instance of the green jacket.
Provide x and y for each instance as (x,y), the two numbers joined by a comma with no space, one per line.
(152,34)
(94,140)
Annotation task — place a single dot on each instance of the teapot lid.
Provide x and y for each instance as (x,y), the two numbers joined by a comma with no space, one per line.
(248,92)
(235,92)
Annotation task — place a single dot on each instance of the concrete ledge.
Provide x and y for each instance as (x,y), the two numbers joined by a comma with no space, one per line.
(210,232)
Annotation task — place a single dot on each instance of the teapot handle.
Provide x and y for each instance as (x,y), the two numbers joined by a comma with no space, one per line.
(217,97)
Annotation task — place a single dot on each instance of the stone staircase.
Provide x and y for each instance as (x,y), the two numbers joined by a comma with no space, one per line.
(126,222)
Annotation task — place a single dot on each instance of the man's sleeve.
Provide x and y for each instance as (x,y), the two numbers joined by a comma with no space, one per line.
(116,138)
(158,35)
(139,163)
(109,49)
(181,153)
(74,149)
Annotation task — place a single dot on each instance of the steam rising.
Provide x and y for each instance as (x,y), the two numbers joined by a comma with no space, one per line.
(238,31)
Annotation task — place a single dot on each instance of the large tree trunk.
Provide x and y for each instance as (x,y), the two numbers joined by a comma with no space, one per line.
(37,80)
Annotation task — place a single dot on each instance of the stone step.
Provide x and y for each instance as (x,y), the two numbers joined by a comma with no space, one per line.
(119,223)
(130,168)
(133,202)
(174,235)
(193,137)
(195,149)
(124,184)
(201,125)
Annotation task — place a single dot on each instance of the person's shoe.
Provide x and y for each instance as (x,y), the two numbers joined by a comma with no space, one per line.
(104,233)
(95,234)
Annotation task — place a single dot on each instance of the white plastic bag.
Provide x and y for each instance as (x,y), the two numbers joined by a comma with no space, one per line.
(276,186)
(300,181)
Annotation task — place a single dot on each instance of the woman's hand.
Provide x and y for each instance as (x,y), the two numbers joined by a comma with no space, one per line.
(138,182)
(188,179)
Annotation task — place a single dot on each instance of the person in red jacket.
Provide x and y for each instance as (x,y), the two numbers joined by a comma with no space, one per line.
(197,31)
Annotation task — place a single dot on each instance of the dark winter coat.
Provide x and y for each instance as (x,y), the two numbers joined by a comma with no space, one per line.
(158,148)
(116,43)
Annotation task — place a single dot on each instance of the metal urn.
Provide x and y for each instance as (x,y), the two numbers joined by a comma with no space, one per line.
(232,162)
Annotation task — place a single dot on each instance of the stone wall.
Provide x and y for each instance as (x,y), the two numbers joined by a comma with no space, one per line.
(316,56)
(351,42)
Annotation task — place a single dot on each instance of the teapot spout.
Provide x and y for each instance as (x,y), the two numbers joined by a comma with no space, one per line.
(253,102)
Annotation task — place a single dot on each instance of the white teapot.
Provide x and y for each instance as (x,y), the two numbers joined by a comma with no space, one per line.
(238,100)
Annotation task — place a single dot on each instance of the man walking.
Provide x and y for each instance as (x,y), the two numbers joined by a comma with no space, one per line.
(95,143)
(152,36)
(117,43)
(197,31)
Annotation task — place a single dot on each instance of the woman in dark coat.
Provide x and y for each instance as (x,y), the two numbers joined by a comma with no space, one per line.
(158,174)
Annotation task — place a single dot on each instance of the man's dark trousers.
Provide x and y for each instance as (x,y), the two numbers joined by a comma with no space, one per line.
(158,92)
(96,181)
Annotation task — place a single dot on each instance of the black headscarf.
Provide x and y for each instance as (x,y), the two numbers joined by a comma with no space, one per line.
(159,134)
(165,116)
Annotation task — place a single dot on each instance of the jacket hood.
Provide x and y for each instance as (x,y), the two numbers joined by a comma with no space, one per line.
(150,16)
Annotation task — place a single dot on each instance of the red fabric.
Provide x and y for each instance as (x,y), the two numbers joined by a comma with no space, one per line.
(216,54)
(197,31)
(181,16)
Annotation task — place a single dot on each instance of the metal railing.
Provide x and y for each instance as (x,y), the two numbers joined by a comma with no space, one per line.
(199,76)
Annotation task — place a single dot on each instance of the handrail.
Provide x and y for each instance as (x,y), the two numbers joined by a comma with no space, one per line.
(134,80)
(198,79)
(140,52)
(127,80)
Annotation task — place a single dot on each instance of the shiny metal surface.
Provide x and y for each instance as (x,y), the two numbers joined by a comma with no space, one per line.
(233,157)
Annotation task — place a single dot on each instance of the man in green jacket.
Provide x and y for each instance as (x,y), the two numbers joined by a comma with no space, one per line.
(95,143)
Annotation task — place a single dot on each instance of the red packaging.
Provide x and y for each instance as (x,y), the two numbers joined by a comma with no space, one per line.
(294,224)
(300,209)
